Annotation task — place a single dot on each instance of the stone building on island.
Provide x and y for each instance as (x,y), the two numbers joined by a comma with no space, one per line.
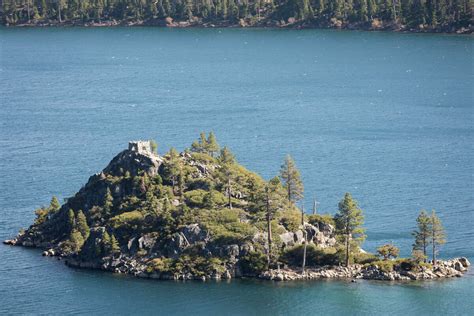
(141,146)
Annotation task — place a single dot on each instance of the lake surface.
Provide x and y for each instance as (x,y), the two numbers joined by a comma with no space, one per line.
(387,117)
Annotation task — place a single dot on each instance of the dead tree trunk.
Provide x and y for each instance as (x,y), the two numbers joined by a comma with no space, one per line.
(269,228)
(305,236)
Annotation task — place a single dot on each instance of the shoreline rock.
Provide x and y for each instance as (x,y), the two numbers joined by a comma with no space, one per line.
(375,25)
(444,269)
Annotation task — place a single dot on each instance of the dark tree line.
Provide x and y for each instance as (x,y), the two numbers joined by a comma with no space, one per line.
(412,13)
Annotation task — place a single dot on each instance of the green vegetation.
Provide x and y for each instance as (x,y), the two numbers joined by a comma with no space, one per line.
(388,251)
(429,231)
(321,218)
(290,176)
(402,264)
(254,263)
(431,14)
(314,256)
(422,234)
(438,236)
(202,213)
(348,223)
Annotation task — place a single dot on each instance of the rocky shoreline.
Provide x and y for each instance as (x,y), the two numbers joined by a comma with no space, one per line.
(123,264)
(375,25)
(444,269)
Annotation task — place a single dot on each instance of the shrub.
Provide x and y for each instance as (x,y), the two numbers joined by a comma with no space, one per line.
(364,258)
(195,198)
(203,158)
(413,265)
(253,263)
(225,226)
(315,256)
(204,199)
(127,219)
(291,220)
(197,265)
(316,219)
(387,251)
(161,265)
(200,183)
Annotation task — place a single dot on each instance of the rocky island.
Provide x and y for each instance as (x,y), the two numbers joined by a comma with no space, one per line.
(200,215)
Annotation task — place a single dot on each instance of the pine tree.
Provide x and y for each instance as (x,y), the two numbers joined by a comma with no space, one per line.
(226,157)
(348,224)
(81,224)
(173,167)
(438,236)
(108,202)
(76,240)
(272,201)
(291,177)
(200,146)
(305,233)
(422,233)
(212,146)
(54,205)
(114,245)
(209,199)
(71,220)
(388,251)
(106,243)
(227,160)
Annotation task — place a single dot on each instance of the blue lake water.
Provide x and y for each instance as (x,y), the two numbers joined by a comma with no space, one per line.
(387,117)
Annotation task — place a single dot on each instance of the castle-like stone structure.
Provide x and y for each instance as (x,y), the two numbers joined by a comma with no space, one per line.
(140,146)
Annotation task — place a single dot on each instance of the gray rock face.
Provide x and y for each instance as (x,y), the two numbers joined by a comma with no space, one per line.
(287,239)
(298,237)
(194,233)
(133,162)
(322,238)
(311,231)
(232,251)
(176,245)
(246,248)
(147,242)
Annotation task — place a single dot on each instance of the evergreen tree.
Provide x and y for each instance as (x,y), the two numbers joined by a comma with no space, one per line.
(114,245)
(227,161)
(422,233)
(439,14)
(200,146)
(173,167)
(438,236)
(272,202)
(106,243)
(81,224)
(54,205)
(291,177)
(209,199)
(349,221)
(305,233)
(212,147)
(388,251)
(226,157)
(71,220)
(108,202)
(76,240)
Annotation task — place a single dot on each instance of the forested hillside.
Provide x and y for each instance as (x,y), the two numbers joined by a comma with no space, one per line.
(424,15)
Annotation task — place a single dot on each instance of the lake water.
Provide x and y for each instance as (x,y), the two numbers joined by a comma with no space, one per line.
(387,117)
